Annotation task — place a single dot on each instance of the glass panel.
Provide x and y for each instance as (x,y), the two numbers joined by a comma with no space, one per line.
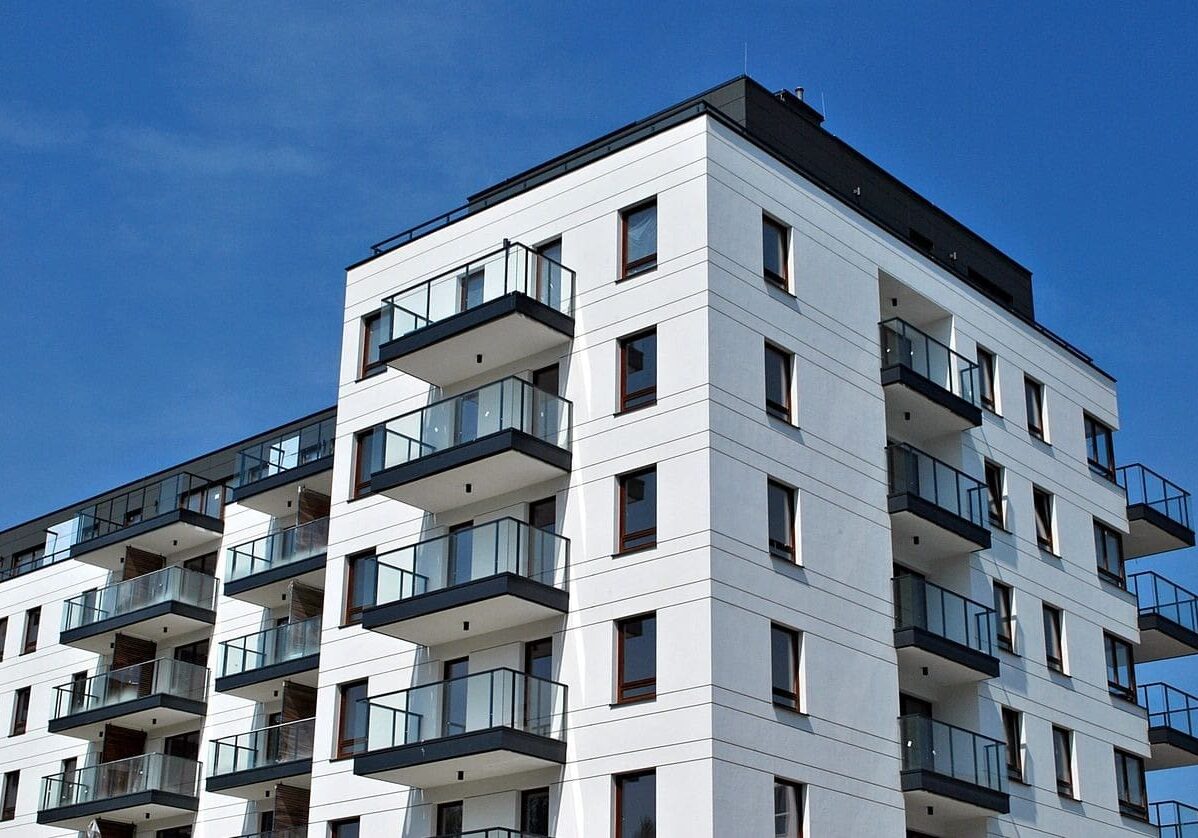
(906,346)
(637,796)
(171,584)
(1157,595)
(1144,486)
(930,745)
(279,548)
(286,451)
(148,772)
(273,745)
(164,676)
(920,604)
(638,658)
(1170,707)
(179,491)
(266,648)
(913,472)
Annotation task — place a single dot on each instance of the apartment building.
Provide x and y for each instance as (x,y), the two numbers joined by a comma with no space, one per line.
(703,480)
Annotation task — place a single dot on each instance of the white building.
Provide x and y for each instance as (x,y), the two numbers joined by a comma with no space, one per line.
(702,481)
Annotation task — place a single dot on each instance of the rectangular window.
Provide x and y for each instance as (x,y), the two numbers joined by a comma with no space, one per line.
(636,659)
(774,246)
(345,829)
(784,660)
(1120,667)
(3,635)
(8,804)
(1108,547)
(778,365)
(449,818)
(788,809)
(373,327)
(33,623)
(20,711)
(1012,723)
(351,718)
(995,481)
(1033,392)
(1129,778)
(781,508)
(638,370)
(364,460)
(636,805)
(534,811)
(638,233)
(1054,639)
(638,510)
(1043,503)
(359,585)
(1062,752)
(1100,448)
(1004,613)
(987,380)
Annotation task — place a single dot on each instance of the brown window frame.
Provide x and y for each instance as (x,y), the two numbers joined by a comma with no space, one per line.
(788,551)
(1103,535)
(1065,787)
(1054,654)
(1043,505)
(778,280)
(33,617)
(8,796)
(1004,615)
(367,367)
(20,711)
(995,480)
(987,379)
(643,264)
(780,410)
(525,796)
(623,685)
(1111,646)
(631,542)
(1012,725)
(355,563)
(348,747)
(1036,424)
(361,486)
(335,827)
(618,781)
(444,809)
(1124,763)
(3,635)
(646,396)
(791,698)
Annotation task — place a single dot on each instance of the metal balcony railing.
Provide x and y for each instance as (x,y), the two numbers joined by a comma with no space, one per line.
(920,604)
(11,567)
(911,471)
(930,745)
(1170,707)
(171,584)
(280,548)
(273,745)
(179,491)
(1157,595)
(1144,486)
(165,676)
(108,780)
(1175,820)
(906,346)
(266,648)
(493,832)
(285,451)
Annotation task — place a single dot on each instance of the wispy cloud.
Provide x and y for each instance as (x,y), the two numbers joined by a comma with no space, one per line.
(40,130)
(201,156)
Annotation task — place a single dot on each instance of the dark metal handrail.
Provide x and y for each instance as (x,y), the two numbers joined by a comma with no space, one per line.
(951,751)
(284,452)
(277,549)
(920,604)
(174,583)
(181,490)
(907,346)
(165,676)
(266,648)
(1157,595)
(1175,820)
(912,471)
(271,745)
(1170,707)
(1144,486)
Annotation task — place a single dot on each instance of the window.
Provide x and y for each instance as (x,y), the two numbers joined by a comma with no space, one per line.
(1108,546)
(1120,667)
(638,370)
(1129,778)
(359,585)
(534,811)
(638,510)
(8,806)
(3,635)
(788,809)
(1004,613)
(778,365)
(638,232)
(549,288)
(20,711)
(995,480)
(1100,448)
(449,818)
(636,805)
(781,502)
(33,622)
(784,660)
(1033,392)
(987,381)
(365,443)
(205,564)
(774,247)
(1042,501)
(1062,752)
(375,331)
(1054,643)
(345,829)
(1012,724)
(636,659)
(351,719)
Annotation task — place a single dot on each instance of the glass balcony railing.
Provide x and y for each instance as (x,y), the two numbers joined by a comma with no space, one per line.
(1157,595)
(492,832)
(485,700)
(274,745)
(503,546)
(920,604)
(514,268)
(294,832)
(508,404)
(179,491)
(171,584)
(293,544)
(930,745)
(266,648)
(913,472)
(1175,820)
(286,451)
(108,780)
(1170,707)
(906,346)
(164,676)
(13,566)
(1144,486)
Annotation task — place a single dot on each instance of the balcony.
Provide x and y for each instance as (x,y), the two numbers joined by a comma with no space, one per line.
(492,832)
(139,789)
(261,570)
(154,695)
(489,724)
(269,473)
(255,666)
(930,389)
(951,771)
(1168,618)
(483,443)
(1175,820)
(943,639)
(486,578)
(251,764)
(936,510)
(1172,726)
(180,513)
(159,606)
(509,304)
(1158,513)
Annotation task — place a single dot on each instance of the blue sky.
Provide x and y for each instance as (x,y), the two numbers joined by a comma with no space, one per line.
(181,186)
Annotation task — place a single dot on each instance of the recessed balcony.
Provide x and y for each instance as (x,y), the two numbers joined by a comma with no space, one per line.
(493,832)
(151,696)
(255,666)
(140,789)
(489,724)
(936,510)
(469,582)
(1173,819)
(1172,726)
(506,436)
(270,473)
(182,512)
(954,772)
(261,570)
(509,304)
(1168,618)
(250,764)
(930,389)
(1158,513)
(159,606)
(943,640)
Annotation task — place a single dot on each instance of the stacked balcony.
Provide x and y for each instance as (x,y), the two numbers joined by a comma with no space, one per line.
(1168,618)
(1172,726)
(154,695)
(248,765)
(951,772)
(492,832)
(1173,819)
(943,640)
(256,666)
(261,571)
(928,386)
(935,509)
(139,789)
(1158,512)
(269,473)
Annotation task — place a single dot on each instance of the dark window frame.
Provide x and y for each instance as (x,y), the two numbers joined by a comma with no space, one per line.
(33,617)
(525,796)
(791,696)
(1012,723)
(783,411)
(1066,782)
(789,551)
(646,396)
(355,564)
(633,542)
(1112,646)
(996,478)
(3,635)
(623,685)
(1043,507)
(20,711)
(781,281)
(643,264)
(988,379)
(618,781)
(446,809)
(794,789)
(1103,537)
(348,746)
(361,485)
(8,796)
(335,827)
(1004,614)
(367,367)
(1054,652)
(1033,398)
(1125,765)
(1099,433)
